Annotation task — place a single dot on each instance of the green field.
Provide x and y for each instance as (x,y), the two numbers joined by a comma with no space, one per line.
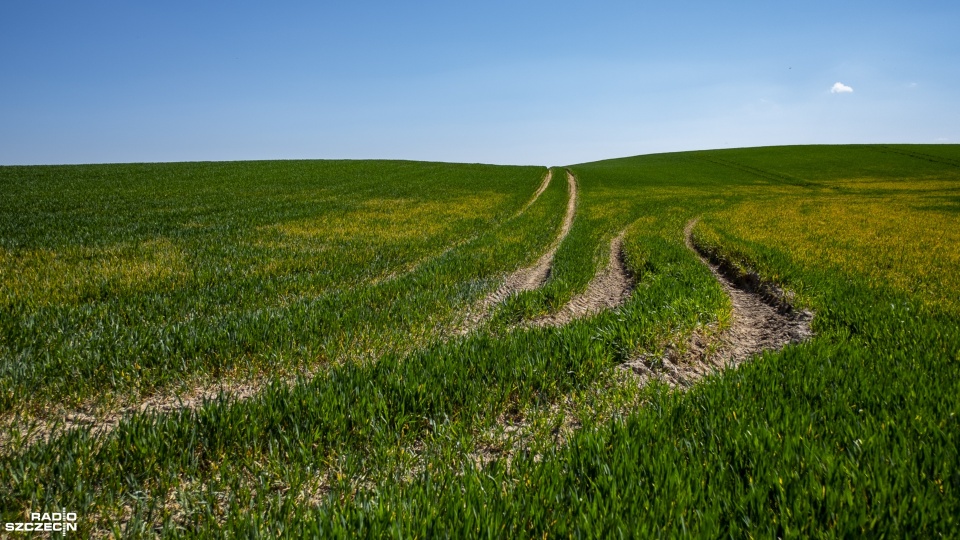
(332,292)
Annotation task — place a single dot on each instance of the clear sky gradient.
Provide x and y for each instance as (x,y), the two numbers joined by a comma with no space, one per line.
(520,82)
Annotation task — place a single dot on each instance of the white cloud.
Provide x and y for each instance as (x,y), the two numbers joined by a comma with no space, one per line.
(840,88)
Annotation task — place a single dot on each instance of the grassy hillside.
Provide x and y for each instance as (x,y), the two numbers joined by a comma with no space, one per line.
(121,279)
(506,432)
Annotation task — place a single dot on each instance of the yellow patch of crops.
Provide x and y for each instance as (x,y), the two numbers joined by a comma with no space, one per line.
(47,277)
(893,241)
(388,220)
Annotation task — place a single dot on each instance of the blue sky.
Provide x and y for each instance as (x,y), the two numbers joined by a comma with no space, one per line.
(495,82)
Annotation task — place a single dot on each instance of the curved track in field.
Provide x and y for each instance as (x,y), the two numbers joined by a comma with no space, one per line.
(529,278)
(539,192)
(463,241)
(32,431)
(762,320)
(609,289)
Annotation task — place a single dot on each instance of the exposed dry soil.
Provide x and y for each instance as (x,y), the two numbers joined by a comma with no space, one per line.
(609,289)
(762,320)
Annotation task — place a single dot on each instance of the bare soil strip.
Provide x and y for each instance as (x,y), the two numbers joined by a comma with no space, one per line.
(31,431)
(525,279)
(762,320)
(609,289)
(540,190)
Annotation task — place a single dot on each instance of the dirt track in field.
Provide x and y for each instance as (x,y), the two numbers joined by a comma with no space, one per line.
(762,320)
(539,192)
(98,422)
(609,289)
(525,279)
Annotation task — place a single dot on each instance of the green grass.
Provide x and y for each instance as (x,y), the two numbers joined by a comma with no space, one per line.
(853,433)
(119,280)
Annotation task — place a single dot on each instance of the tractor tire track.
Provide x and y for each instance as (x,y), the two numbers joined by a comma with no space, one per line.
(21,433)
(525,279)
(538,193)
(609,289)
(762,320)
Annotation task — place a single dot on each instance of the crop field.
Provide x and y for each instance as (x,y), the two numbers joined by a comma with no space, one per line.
(756,342)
